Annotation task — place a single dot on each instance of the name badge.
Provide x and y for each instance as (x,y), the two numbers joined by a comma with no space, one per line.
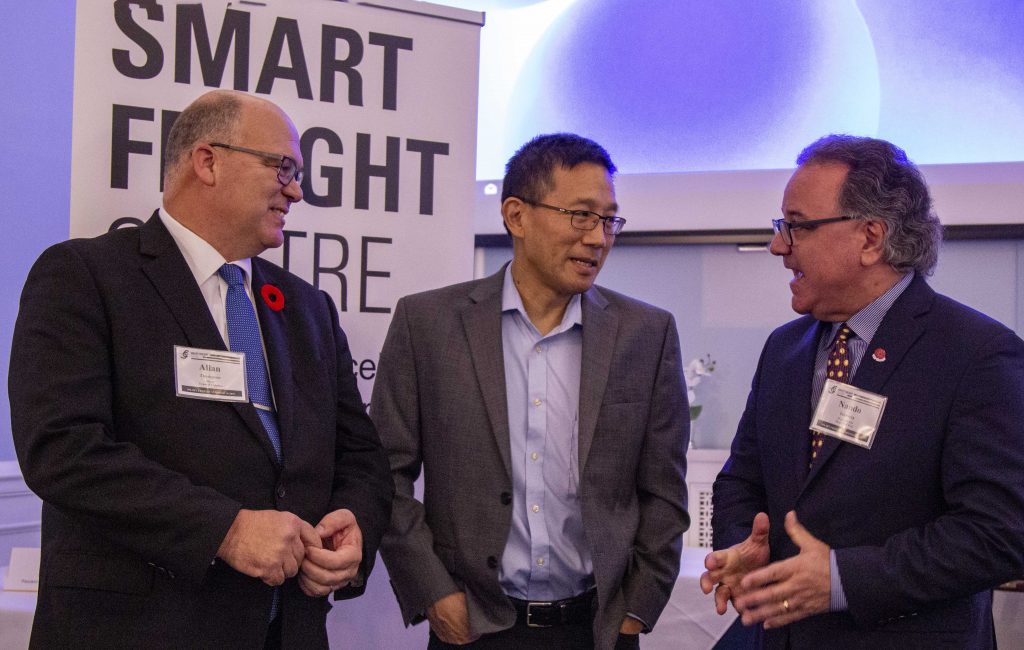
(210,374)
(848,413)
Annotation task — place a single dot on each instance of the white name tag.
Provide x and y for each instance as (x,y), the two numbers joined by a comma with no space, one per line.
(848,413)
(210,374)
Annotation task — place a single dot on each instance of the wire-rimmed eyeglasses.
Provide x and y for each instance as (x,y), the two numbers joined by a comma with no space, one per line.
(786,228)
(287,168)
(584,219)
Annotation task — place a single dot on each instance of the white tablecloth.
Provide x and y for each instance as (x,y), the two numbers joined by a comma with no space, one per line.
(1008,612)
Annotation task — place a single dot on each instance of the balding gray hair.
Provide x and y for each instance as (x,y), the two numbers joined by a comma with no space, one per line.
(212,118)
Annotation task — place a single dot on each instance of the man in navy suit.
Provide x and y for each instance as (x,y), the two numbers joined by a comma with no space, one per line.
(889,524)
(173,518)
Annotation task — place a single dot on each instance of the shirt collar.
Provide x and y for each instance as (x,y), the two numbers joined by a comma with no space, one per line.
(511,301)
(867,321)
(202,258)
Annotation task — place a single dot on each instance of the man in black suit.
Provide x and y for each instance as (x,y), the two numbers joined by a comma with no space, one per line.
(176,514)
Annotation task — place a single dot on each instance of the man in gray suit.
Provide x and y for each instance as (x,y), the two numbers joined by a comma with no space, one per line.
(550,419)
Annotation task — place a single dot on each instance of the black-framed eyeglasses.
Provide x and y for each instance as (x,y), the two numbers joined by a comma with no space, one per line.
(585,219)
(786,228)
(287,168)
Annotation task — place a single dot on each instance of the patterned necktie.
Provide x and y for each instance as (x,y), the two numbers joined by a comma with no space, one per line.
(244,336)
(838,368)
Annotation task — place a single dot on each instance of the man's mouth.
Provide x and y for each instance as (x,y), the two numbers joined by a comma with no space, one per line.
(584,262)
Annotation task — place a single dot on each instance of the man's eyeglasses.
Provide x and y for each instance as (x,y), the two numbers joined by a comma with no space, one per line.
(287,168)
(585,219)
(786,228)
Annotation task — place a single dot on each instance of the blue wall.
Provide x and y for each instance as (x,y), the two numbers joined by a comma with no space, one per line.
(36,71)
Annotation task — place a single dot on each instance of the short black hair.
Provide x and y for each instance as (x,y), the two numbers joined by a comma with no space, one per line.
(529,173)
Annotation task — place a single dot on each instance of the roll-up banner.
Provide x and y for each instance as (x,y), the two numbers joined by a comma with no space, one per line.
(384,95)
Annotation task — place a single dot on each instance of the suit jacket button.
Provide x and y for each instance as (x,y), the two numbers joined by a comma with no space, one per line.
(506,498)
(492,562)
(281,492)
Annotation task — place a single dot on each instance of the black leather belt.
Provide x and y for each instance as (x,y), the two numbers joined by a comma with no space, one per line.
(570,611)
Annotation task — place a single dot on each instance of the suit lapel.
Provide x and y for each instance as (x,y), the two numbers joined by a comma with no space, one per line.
(172,279)
(799,365)
(897,333)
(482,322)
(600,326)
(275,342)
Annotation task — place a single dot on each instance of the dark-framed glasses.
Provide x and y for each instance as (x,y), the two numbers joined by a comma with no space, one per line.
(584,219)
(287,168)
(786,228)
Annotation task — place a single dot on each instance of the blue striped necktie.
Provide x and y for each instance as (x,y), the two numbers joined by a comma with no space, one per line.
(244,336)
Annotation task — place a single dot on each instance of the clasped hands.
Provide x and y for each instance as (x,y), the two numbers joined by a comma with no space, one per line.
(272,545)
(775,594)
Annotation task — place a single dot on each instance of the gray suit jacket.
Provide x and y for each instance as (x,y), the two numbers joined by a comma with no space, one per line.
(439,402)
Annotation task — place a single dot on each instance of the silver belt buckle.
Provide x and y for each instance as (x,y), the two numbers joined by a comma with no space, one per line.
(529,613)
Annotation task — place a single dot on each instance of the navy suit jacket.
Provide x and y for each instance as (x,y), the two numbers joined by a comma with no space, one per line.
(139,486)
(929,519)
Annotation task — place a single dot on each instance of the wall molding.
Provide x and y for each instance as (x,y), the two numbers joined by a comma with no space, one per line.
(756,236)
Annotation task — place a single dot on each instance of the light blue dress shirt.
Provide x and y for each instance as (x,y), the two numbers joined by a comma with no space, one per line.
(546,556)
(863,324)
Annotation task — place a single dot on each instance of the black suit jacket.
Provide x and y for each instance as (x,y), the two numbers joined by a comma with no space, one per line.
(140,486)
(926,521)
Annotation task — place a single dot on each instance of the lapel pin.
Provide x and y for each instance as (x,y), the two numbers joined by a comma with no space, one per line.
(273,297)
(878,355)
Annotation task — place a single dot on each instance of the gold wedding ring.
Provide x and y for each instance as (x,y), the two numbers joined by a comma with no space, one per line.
(785,605)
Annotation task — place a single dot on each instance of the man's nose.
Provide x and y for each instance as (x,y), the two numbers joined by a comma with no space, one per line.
(778,245)
(293,190)
(596,236)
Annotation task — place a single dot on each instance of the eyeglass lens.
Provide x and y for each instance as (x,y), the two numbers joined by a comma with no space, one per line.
(288,170)
(588,221)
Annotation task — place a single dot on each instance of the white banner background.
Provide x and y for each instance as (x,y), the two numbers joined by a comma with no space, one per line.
(376,239)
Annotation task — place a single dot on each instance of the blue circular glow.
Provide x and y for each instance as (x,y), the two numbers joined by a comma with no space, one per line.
(679,86)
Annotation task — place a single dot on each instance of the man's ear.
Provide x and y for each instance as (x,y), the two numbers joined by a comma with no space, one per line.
(204,164)
(512,210)
(874,242)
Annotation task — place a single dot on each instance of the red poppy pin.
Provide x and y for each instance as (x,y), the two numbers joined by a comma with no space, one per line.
(273,297)
(878,355)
